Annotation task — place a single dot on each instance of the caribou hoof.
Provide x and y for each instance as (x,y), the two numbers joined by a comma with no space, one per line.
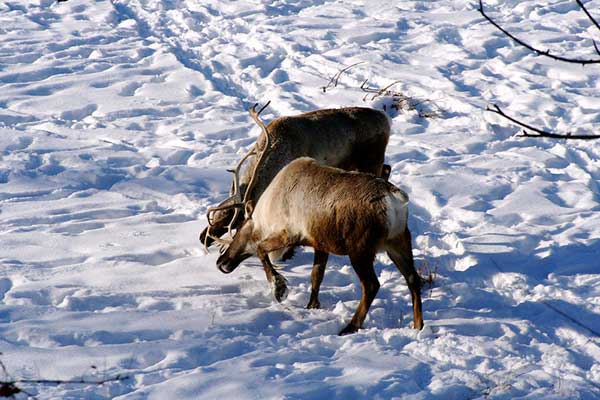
(280,290)
(348,330)
(313,304)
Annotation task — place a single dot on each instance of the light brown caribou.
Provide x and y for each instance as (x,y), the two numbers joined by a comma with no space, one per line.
(352,138)
(334,211)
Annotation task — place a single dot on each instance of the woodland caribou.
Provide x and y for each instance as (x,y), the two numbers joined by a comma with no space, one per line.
(333,211)
(352,138)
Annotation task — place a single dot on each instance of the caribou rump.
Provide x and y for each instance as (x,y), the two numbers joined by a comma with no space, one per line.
(333,211)
(352,138)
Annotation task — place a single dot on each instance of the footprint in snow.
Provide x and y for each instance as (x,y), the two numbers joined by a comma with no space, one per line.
(5,286)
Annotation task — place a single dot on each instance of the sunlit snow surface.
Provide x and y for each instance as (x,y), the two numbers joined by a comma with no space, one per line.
(118,121)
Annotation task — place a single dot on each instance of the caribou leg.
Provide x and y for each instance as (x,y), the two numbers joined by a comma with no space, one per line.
(317,277)
(279,283)
(386,172)
(400,251)
(363,266)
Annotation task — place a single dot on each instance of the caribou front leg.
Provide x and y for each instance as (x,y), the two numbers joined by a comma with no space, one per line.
(317,277)
(278,282)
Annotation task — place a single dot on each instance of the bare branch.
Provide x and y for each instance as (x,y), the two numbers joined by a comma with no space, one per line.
(580,4)
(376,92)
(399,100)
(4,370)
(333,81)
(540,132)
(533,49)
(9,387)
(82,381)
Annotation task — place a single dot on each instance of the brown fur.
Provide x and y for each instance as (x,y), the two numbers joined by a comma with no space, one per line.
(333,211)
(352,138)
(347,208)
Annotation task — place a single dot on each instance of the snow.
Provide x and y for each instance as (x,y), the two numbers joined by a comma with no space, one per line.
(119,118)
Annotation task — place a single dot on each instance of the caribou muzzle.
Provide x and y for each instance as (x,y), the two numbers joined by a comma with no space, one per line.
(227,264)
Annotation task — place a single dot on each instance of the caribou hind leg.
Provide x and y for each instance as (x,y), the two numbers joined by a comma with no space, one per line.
(386,171)
(400,251)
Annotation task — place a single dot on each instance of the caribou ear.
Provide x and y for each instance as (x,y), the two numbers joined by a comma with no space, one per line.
(249,209)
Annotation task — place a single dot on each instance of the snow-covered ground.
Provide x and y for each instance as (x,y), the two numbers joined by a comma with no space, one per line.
(118,120)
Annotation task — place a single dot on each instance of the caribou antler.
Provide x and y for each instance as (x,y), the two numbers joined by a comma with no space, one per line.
(230,202)
(236,200)
(255,116)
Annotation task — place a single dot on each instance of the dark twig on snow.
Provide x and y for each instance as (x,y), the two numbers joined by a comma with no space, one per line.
(74,381)
(333,81)
(428,276)
(545,53)
(591,17)
(10,387)
(399,101)
(376,92)
(539,132)
(573,320)
(585,10)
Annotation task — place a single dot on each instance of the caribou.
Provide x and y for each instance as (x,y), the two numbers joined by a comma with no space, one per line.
(352,138)
(334,211)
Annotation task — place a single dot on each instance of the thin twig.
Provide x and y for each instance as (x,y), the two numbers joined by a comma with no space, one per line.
(380,92)
(570,318)
(4,368)
(588,14)
(399,100)
(333,81)
(9,387)
(540,132)
(533,49)
(74,381)
(591,18)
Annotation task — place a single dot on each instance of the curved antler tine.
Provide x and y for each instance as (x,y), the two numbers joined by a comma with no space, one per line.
(221,207)
(210,212)
(255,116)
(263,107)
(205,239)
(236,213)
(236,196)
(261,153)
(253,108)
(222,242)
